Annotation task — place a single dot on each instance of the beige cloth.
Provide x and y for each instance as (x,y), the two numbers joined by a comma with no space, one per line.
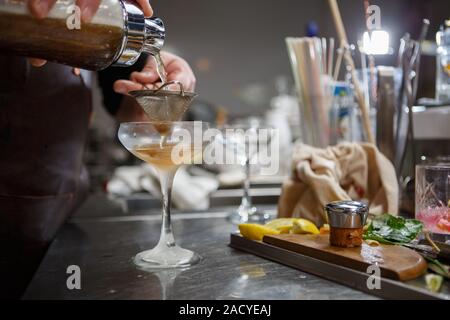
(343,172)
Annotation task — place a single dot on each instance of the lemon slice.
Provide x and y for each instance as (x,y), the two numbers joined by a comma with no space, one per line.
(255,231)
(303,226)
(284,225)
(433,282)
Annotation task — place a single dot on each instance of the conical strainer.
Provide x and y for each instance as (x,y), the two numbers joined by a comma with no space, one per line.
(164,105)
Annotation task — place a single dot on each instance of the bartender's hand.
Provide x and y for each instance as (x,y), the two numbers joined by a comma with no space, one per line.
(88,8)
(176,68)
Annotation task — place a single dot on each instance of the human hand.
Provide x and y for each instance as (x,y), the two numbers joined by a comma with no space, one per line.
(177,69)
(88,8)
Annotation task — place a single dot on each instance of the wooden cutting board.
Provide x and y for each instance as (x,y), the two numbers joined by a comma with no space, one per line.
(396,262)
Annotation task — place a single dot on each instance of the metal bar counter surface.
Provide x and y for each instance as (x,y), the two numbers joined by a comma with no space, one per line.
(101,240)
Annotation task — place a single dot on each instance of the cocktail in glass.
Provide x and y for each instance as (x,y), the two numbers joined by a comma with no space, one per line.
(165,146)
(433,197)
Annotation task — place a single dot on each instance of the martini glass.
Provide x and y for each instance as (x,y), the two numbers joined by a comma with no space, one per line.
(165,146)
(245,141)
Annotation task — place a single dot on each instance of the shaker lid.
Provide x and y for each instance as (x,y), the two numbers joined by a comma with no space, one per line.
(347,214)
(140,34)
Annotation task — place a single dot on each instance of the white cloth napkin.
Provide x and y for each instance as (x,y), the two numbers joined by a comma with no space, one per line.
(188,192)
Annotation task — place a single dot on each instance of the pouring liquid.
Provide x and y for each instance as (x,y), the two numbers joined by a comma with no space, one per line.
(160,68)
(163,129)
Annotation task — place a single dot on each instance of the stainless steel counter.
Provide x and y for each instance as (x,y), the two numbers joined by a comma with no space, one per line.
(102,246)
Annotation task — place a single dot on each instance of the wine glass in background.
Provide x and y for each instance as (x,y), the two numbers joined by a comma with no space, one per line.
(165,146)
(246,141)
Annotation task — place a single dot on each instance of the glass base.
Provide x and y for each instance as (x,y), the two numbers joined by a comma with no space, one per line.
(163,257)
(249,215)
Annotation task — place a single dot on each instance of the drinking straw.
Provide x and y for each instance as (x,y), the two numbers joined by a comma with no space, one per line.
(295,62)
(337,68)
(365,79)
(297,68)
(324,56)
(330,56)
(317,71)
(309,63)
(339,24)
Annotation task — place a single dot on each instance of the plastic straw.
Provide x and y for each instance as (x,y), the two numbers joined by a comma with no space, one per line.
(315,88)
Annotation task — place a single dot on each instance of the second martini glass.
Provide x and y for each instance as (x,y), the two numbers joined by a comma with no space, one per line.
(246,141)
(165,146)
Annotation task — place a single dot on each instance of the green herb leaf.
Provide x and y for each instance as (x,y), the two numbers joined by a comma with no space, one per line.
(388,229)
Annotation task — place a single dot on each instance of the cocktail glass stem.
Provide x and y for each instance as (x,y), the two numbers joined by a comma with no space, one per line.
(246,202)
(246,211)
(166,181)
(166,254)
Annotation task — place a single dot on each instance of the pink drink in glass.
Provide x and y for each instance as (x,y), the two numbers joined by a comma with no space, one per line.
(433,197)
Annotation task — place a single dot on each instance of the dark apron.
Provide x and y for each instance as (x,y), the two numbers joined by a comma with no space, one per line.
(44,118)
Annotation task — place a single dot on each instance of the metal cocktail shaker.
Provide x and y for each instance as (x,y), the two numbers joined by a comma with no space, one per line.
(117,34)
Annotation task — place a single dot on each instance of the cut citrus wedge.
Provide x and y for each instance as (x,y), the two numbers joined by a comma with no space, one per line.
(303,226)
(444,224)
(255,231)
(433,282)
(284,225)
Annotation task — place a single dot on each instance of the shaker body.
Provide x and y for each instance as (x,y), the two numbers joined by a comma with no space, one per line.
(92,45)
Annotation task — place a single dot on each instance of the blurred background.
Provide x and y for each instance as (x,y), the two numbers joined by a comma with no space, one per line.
(237,48)
(238,52)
